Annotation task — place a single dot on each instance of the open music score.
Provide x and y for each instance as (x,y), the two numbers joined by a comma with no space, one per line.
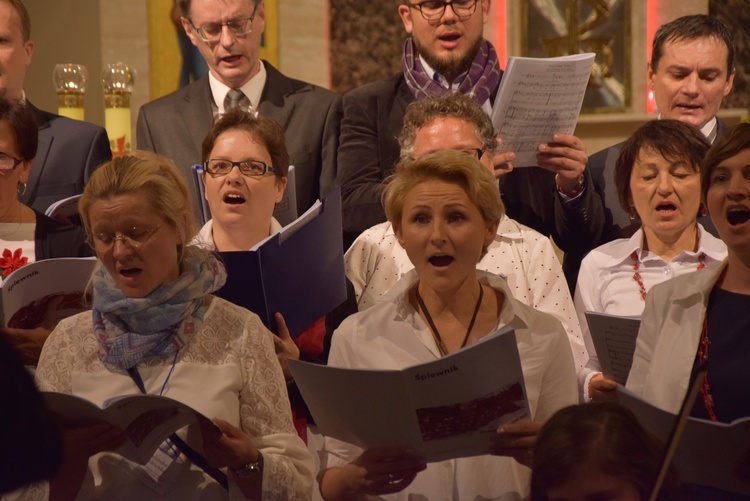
(538,98)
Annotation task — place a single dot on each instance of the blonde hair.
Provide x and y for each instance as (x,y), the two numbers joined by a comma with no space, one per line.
(143,172)
(449,166)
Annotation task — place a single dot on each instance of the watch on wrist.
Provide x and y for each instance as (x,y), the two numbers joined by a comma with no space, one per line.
(575,191)
(250,470)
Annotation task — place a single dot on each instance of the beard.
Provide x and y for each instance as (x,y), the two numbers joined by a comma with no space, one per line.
(452,65)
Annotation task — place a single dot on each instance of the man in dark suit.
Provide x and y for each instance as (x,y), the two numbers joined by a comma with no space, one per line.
(68,150)
(691,70)
(228,36)
(447,52)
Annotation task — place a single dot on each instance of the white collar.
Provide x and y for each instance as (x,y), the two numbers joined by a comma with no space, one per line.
(205,237)
(253,88)
(620,250)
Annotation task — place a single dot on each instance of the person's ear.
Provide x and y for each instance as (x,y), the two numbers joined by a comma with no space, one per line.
(397,232)
(491,232)
(190,32)
(405,12)
(260,16)
(280,187)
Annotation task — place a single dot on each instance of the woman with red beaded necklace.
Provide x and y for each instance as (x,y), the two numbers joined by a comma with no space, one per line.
(705,317)
(657,177)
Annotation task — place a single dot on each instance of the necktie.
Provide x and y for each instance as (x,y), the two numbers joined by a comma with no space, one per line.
(233,99)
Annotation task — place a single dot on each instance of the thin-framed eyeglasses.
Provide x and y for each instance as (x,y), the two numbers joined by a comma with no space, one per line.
(211,32)
(432,10)
(474,152)
(8,162)
(221,167)
(133,237)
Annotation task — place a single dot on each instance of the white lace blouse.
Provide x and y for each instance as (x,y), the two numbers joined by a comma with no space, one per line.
(227,370)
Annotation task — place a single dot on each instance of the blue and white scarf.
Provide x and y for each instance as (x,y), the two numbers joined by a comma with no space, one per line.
(133,329)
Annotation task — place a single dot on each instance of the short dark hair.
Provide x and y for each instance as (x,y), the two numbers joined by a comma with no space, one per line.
(186,4)
(23,15)
(692,28)
(605,434)
(727,145)
(672,139)
(22,122)
(265,130)
(452,105)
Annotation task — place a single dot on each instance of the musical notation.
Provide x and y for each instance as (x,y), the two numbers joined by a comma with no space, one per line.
(538,98)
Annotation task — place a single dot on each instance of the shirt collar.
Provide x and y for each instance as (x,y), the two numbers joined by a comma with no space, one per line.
(252,89)
(707,244)
(710,129)
(440,79)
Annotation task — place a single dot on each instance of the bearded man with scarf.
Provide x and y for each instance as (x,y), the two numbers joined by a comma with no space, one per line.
(446,52)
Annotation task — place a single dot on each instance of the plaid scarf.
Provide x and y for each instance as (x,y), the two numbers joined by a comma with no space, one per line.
(133,329)
(480,82)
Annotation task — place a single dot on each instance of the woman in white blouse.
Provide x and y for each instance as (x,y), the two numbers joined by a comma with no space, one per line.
(658,181)
(156,328)
(445,209)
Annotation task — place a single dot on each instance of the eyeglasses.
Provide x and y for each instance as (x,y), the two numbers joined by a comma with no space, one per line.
(221,167)
(8,163)
(432,10)
(132,237)
(211,32)
(474,152)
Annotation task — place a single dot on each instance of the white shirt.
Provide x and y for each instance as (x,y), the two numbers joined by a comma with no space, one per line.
(252,89)
(228,369)
(205,237)
(606,284)
(392,336)
(524,257)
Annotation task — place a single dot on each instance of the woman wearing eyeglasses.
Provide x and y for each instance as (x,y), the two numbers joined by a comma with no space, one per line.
(156,328)
(26,235)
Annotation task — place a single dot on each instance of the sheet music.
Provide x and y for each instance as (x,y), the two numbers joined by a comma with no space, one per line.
(614,340)
(538,98)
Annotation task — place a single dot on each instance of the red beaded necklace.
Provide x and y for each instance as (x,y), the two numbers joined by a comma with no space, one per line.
(708,400)
(639,280)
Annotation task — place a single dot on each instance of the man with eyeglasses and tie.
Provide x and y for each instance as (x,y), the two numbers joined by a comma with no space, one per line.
(446,52)
(228,35)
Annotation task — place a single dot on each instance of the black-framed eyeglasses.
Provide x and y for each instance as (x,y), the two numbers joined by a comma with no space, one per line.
(474,152)
(432,10)
(211,32)
(133,237)
(8,162)
(222,167)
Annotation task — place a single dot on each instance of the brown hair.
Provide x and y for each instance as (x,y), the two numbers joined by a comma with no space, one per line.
(264,130)
(692,27)
(22,122)
(672,139)
(606,435)
(727,145)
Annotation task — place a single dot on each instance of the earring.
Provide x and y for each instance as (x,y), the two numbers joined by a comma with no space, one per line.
(632,214)
(702,212)
(21,189)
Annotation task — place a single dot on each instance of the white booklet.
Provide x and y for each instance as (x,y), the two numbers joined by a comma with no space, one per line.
(539,97)
(147,420)
(614,341)
(708,453)
(28,293)
(448,408)
(65,210)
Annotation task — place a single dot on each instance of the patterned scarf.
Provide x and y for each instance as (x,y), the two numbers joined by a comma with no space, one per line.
(133,329)
(480,82)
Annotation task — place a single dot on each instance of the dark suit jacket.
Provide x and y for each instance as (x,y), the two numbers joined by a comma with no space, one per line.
(67,154)
(368,152)
(176,124)
(53,239)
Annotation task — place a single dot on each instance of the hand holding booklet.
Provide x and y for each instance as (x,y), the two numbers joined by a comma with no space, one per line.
(444,409)
(147,420)
(298,272)
(539,97)
(614,340)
